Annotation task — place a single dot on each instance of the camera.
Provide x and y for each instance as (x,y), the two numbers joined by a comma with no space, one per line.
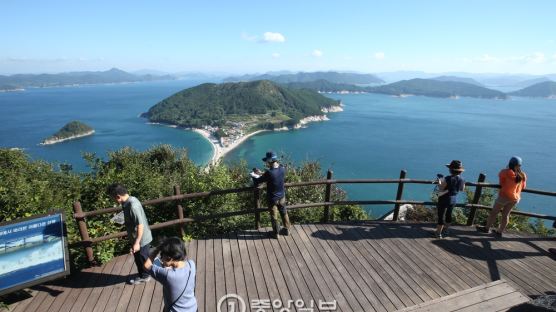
(439,175)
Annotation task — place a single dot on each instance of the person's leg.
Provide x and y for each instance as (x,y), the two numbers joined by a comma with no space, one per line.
(273,219)
(284,213)
(506,216)
(448,219)
(144,254)
(140,257)
(493,213)
(441,210)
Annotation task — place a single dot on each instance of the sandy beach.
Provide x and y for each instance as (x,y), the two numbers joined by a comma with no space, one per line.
(219,151)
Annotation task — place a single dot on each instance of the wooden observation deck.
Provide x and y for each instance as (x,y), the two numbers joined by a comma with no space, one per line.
(362,266)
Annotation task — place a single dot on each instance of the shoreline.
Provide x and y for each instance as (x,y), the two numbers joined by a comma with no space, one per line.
(55,141)
(218,151)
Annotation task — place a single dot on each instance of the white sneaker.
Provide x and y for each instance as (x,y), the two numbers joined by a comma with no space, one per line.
(139,280)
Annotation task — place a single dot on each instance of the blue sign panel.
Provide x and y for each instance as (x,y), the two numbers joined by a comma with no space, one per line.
(32,251)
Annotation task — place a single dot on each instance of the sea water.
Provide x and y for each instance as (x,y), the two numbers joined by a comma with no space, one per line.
(375,136)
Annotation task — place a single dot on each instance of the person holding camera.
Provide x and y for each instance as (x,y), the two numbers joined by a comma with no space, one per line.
(274,177)
(512,182)
(448,189)
(175,273)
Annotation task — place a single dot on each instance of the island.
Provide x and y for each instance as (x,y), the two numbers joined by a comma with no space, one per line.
(228,113)
(437,88)
(20,81)
(546,89)
(72,130)
(330,76)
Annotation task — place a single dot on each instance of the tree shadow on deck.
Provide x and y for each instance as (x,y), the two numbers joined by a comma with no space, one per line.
(463,241)
(92,279)
(361,230)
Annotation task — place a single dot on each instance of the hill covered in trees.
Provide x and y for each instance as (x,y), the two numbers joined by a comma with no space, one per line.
(543,89)
(326,86)
(334,77)
(72,130)
(113,75)
(436,88)
(215,104)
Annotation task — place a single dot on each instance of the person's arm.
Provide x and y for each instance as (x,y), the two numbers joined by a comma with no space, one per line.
(135,219)
(149,262)
(136,245)
(524,180)
(442,185)
(262,178)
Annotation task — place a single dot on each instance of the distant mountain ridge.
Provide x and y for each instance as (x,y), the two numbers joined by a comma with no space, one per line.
(113,75)
(417,86)
(436,88)
(459,79)
(212,104)
(334,77)
(542,89)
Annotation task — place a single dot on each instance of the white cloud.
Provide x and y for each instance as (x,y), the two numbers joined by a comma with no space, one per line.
(379,55)
(316,53)
(554,56)
(275,55)
(273,37)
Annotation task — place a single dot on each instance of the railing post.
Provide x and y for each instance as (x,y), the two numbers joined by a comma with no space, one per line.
(179,211)
(399,196)
(476,198)
(85,239)
(257,198)
(327,194)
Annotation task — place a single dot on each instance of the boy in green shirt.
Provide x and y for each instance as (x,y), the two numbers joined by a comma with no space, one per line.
(137,227)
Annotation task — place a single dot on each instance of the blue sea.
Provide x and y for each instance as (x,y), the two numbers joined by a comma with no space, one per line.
(375,136)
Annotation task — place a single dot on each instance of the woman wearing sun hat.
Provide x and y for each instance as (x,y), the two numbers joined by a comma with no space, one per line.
(448,189)
(512,182)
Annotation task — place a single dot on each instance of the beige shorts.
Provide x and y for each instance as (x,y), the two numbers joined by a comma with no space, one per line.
(505,203)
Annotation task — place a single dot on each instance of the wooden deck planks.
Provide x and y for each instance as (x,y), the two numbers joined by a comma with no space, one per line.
(492,296)
(364,266)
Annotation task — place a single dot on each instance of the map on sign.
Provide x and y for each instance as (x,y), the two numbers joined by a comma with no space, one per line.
(32,251)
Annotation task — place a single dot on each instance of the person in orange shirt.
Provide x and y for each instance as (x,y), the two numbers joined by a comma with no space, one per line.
(512,182)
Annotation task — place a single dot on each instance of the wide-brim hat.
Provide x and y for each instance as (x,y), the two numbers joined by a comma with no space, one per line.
(270,156)
(455,165)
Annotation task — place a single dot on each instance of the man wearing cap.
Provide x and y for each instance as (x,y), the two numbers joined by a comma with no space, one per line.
(276,195)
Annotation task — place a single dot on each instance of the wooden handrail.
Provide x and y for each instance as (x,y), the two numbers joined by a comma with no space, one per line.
(86,241)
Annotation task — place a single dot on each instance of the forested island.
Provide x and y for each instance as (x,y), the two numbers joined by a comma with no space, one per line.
(114,75)
(226,114)
(330,76)
(72,130)
(260,104)
(438,87)
(545,89)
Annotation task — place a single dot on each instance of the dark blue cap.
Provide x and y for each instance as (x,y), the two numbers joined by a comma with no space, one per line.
(270,156)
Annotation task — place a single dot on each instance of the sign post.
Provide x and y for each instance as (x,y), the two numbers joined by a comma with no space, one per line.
(32,251)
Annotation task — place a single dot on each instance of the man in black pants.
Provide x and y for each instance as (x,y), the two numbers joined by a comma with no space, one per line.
(276,195)
(137,227)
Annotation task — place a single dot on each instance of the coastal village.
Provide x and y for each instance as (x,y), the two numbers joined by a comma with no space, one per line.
(226,138)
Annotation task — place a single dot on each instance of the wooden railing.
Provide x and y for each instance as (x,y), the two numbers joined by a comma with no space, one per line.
(87,242)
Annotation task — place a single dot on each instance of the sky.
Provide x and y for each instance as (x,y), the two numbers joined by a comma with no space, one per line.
(487,36)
